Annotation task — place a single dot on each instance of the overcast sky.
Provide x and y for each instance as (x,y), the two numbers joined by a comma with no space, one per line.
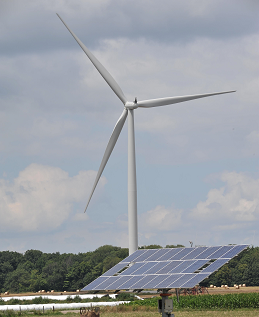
(197,162)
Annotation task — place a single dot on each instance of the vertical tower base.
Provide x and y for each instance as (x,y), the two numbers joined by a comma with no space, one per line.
(132,186)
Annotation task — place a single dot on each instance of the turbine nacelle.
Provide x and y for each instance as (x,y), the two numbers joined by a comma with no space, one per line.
(131,105)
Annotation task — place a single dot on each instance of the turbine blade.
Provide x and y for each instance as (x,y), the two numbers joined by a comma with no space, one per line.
(101,69)
(113,139)
(171,100)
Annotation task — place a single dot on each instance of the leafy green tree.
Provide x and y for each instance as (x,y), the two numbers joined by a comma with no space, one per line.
(251,272)
(17,281)
(54,274)
(151,246)
(109,262)
(174,246)
(37,282)
(32,256)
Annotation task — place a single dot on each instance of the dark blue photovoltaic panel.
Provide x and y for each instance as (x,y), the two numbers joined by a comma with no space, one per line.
(132,268)
(181,254)
(145,255)
(182,266)
(131,282)
(95,283)
(134,256)
(115,269)
(106,283)
(221,251)
(155,281)
(195,280)
(194,253)
(206,254)
(145,267)
(143,281)
(215,265)
(156,268)
(195,266)
(117,284)
(169,280)
(160,268)
(178,283)
(230,254)
(170,254)
(157,255)
(120,283)
(169,267)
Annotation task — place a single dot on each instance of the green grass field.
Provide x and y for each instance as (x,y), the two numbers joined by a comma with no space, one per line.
(236,313)
(122,311)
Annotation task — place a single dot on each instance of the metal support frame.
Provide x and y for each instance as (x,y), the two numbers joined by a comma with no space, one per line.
(162,307)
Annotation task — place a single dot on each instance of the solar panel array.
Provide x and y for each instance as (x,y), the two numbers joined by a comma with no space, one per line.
(165,268)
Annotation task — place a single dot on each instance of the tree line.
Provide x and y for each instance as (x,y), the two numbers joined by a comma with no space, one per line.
(35,270)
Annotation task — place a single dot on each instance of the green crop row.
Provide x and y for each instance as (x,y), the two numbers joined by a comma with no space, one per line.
(228,301)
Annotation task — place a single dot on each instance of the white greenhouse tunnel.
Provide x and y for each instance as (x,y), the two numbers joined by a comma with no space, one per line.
(58,306)
(58,297)
(55,306)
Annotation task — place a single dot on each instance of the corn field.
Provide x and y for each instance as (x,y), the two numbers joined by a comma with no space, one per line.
(207,302)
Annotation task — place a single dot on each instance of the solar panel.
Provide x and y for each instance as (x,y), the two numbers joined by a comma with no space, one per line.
(206,254)
(158,255)
(168,255)
(132,268)
(180,268)
(143,281)
(234,251)
(146,255)
(114,269)
(131,282)
(195,280)
(169,267)
(156,267)
(96,282)
(133,256)
(195,266)
(221,251)
(180,281)
(181,254)
(107,282)
(194,253)
(120,281)
(145,268)
(165,268)
(169,280)
(154,282)
(215,265)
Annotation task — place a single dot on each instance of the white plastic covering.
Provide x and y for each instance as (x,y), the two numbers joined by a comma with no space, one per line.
(61,297)
(58,306)
(57,297)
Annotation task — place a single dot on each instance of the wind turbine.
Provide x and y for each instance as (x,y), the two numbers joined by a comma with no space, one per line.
(129,108)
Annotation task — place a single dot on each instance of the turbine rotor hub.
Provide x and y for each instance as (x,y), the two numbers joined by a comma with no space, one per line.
(131,105)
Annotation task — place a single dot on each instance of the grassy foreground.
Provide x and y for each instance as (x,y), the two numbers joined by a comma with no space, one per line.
(144,311)
(114,312)
(236,313)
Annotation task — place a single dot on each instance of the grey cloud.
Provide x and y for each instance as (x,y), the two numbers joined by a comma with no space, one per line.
(34,27)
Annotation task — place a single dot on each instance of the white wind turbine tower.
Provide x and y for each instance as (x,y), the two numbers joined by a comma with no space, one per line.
(129,108)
